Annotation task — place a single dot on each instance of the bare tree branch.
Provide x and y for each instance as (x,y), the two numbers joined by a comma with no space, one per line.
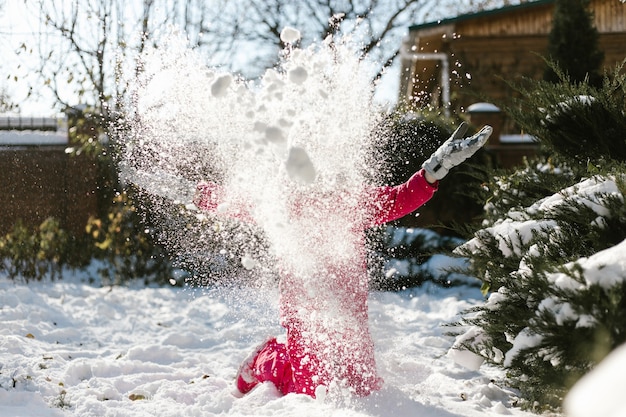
(85,41)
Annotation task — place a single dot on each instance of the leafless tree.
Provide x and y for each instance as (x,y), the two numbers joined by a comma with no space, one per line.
(84,43)
(81,46)
(6,103)
(251,28)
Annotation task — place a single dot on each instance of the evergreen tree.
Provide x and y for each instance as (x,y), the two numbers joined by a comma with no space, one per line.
(573,43)
(576,121)
(555,304)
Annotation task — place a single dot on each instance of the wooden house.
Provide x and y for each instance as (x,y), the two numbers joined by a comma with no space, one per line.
(450,63)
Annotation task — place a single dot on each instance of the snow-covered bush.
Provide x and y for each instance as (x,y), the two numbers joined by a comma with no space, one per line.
(586,125)
(407,257)
(551,253)
(555,273)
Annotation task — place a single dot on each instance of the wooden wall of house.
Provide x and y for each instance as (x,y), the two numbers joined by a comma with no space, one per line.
(609,15)
(425,76)
(535,20)
(493,47)
(492,62)
(44,181)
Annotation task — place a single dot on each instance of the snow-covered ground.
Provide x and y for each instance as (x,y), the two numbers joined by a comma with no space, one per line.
(72,349)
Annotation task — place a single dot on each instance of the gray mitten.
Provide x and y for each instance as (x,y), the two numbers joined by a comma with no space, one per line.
(455,150)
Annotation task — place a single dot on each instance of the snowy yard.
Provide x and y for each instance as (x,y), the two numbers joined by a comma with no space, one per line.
(69,348)
(72,349)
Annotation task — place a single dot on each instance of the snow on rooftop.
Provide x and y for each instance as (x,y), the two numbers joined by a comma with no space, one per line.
(517,138)
(483,108)
(30,137)
(32,130)
(10,122)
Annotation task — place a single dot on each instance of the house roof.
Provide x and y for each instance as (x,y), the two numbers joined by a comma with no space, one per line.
(484,13)
(32,130)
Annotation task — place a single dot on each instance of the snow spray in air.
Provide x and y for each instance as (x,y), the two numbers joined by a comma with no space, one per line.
(278,169)
(281,144)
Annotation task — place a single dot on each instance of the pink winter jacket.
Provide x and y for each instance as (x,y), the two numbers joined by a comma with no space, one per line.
(385,204)
(324,308)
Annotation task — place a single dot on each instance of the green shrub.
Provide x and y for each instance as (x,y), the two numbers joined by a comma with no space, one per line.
(550,316)
(120,243)
(410,138)
(116,237)
(579,123)
(36,253)
(126,246)
(573,42)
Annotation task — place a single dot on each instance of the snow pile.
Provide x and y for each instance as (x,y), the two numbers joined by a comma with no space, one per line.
(600,392)
(72,349)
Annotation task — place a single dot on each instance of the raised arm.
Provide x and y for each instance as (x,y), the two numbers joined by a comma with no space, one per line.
(212,198)
(208,196)
(391,203)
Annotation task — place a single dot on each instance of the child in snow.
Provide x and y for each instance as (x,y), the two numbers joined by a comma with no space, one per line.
(328,339)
